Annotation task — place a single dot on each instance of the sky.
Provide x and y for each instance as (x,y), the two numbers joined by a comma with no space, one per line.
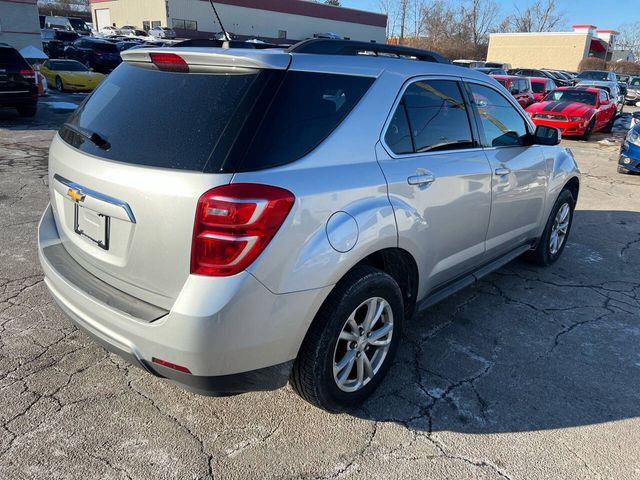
(600,13)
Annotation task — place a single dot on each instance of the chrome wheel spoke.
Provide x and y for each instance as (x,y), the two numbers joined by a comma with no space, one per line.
(347,360)
(348,336)
(376,337)
(374,312)
(368,368)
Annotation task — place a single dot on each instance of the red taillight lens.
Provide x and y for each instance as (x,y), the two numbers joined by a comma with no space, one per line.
(169,62)
(234,223)
(28,73)
(173,366)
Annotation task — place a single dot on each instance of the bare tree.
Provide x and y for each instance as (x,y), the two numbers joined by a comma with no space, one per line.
(390,9)
(540,16)
(404,7)
(481,15)
(629,38)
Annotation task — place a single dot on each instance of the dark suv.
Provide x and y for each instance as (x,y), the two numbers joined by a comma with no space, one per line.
(54,41)
(17,82)
(101,55)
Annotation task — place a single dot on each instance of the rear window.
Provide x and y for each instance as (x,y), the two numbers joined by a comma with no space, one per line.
(10,59)
(538,87)
(218,122)
(66,36)
(104,47)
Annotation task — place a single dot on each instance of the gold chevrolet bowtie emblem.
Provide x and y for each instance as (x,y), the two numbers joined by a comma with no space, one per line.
(75,195)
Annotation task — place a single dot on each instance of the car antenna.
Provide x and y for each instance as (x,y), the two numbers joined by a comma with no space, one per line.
(224,32)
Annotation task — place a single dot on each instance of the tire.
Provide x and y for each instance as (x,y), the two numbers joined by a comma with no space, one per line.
(587,133)
(544,255)
(27,111)
(59,84)
(609,127)
(314,376)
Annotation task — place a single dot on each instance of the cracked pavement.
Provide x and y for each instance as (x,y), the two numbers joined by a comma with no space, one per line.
(529,374)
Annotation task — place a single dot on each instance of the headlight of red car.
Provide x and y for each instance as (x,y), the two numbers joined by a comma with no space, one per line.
(577,119)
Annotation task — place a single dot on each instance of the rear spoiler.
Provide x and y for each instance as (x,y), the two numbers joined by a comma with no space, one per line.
(215,57)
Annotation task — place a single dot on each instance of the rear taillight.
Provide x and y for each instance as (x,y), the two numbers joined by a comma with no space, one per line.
(28,73)
(234,223)
(169,62)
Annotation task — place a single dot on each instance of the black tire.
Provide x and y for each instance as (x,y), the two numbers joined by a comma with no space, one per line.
(27,111)
(59,84)
(587,133)
(542,255)
(312,376)
(609,127)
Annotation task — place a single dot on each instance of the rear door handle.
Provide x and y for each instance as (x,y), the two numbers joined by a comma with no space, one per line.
(503,171)
(421,179)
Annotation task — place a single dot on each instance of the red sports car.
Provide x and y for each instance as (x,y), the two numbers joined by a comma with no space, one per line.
(577,112)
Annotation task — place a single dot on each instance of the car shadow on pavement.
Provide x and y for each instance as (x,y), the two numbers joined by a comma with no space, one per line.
(528,348)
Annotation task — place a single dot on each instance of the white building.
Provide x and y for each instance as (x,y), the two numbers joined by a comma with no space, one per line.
(270,20)
(19,24)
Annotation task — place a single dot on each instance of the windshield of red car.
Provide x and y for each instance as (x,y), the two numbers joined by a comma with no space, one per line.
(580,96)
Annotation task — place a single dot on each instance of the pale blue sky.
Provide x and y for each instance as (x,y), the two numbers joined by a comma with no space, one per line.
(600,13)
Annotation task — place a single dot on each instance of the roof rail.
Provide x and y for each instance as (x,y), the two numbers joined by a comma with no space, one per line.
(327,46)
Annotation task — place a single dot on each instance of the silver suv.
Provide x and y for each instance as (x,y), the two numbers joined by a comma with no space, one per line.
(290,209)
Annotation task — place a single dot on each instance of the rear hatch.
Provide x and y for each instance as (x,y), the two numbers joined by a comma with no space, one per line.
(127,169)
(16,76)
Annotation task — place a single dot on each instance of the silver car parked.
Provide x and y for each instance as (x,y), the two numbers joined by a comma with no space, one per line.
(291,210)
(162,32)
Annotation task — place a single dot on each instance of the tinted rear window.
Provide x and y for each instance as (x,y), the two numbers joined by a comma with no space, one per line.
(10,59)
(538,87)
(104,47)
(66,36)
(169,120)
(213,122)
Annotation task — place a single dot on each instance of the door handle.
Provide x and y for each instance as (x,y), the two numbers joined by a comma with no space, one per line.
(421,179)
(503,171)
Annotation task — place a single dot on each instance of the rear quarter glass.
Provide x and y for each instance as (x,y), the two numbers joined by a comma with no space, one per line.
(11,60)
(222,122)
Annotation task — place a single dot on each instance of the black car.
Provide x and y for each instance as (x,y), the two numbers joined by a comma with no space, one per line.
(530,72)
(55,40)
(101,55)
(17,82)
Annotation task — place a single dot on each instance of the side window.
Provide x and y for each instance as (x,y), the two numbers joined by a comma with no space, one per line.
(502,124)
(603,95)
(398,135)
(437,116)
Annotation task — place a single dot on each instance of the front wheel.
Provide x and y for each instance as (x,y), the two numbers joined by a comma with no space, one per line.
(352,341)
(556,232)
(587,133)
(59,84)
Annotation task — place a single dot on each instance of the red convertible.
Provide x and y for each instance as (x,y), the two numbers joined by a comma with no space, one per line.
(577,112)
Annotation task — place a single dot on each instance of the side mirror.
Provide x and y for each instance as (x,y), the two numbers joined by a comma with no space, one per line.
(604,102)
(546,136)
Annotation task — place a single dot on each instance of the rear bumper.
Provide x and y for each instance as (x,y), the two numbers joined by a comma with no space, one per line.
(28,98)
(231,333)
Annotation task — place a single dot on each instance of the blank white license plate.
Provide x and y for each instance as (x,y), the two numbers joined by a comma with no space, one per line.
(92,225)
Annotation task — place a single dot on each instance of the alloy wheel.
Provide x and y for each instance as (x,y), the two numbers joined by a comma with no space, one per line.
(363,344)
(559,229)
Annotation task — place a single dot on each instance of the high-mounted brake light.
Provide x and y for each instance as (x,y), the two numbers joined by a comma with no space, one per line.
(28,73)
(169,62)
(234,223)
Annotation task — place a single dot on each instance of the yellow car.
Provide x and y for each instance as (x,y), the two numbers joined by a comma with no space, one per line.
(70,75)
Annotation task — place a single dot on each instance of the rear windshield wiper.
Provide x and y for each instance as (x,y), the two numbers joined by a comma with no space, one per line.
(93,137)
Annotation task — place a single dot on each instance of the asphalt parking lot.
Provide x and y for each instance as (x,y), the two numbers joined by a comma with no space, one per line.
(530,374)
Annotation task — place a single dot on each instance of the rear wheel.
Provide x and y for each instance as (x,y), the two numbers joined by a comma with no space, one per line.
(59,84)
(27,111)
(556,232)
(352,341)
(610,124)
